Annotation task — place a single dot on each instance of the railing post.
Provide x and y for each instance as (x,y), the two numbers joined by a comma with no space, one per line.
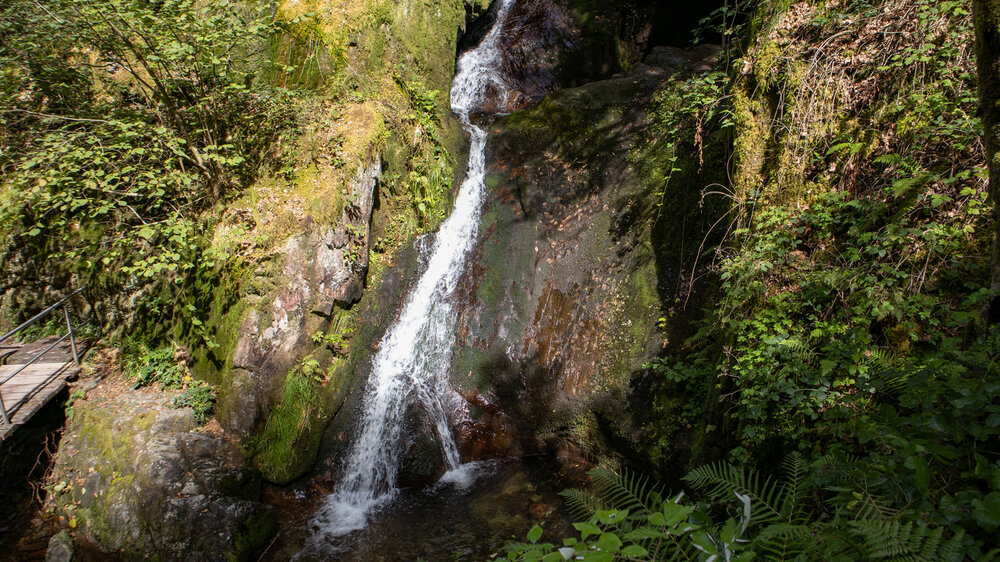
(3,410)
(72,340)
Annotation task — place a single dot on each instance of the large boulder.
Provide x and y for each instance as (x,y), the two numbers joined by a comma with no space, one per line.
(320,269)
(140,479)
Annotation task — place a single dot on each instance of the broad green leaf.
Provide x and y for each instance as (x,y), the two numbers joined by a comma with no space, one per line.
(634,551)
(587,529)
(609,542)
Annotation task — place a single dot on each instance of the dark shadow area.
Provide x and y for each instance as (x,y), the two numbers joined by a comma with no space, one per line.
(549,45)
(672,22)
(25,460)
(598,148)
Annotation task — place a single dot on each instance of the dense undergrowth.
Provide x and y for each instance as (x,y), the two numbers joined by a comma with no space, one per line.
(162,154)
(845,333)
(129,126)
(124,126)
(162,368)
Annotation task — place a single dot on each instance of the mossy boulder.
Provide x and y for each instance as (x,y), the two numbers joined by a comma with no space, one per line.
(140,480)
(376,126)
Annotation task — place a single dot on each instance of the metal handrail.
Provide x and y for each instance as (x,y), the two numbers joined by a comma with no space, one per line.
(31,320)
(64,303)
(33,359)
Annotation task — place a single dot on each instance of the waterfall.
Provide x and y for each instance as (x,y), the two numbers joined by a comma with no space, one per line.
(414,356)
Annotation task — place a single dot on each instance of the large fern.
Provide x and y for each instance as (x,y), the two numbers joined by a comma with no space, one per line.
(774,501)
(785,526)
(614,490)
(786,518)
(628,492)
(894,540)
(778,514)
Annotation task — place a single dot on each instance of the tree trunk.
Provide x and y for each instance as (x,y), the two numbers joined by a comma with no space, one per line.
(987,23)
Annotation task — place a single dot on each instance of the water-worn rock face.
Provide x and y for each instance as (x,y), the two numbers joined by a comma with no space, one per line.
(561,305)
(294,300)
(136,477)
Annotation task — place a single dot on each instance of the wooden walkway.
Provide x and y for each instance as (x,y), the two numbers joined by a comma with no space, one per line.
(33,388)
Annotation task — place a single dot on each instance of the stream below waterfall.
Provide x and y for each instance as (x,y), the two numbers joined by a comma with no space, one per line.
(440,521)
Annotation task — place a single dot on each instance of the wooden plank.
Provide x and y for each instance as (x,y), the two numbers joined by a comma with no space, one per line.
(33,380)
(27,388)
(30,390)
(23,386)
(6,370)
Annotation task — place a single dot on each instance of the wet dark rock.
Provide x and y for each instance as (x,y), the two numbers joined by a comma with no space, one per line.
(554,44)
(487,433)
(422,461)
(577,262)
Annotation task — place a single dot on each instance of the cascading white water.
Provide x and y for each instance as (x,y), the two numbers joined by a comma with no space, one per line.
(414,356)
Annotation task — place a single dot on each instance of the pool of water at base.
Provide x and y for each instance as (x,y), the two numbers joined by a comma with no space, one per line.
(442,521)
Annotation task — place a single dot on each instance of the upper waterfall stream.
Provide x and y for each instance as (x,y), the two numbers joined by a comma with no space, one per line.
(414,356)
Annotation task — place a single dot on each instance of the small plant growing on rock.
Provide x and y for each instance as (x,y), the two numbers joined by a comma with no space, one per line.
(158,366)
(310,368)
(73,397)
(200,397)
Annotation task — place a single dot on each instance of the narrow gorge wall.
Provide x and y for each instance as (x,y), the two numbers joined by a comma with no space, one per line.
(582,245)
(371,168)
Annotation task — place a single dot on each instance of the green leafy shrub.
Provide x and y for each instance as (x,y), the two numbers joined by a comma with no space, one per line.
(627,519)
(124,122)
(198,396)
(156,367)
(849,286)
(160,367)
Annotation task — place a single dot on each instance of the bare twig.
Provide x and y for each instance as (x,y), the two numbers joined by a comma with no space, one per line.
(50,116)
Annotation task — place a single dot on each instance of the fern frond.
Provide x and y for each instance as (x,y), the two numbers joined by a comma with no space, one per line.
(932,544)
(795,467)
(626,490)
(583,504)
(895,540)
(866,506)
(722,482)
(889,159)
(783,541)
(798,348)
(785,531)
(990,556)
(892,539)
